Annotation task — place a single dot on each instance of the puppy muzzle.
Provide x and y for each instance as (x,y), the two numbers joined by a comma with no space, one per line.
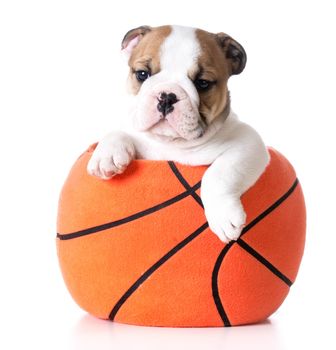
(170,103)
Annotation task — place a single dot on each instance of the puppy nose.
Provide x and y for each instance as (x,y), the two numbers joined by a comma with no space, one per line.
(166,102)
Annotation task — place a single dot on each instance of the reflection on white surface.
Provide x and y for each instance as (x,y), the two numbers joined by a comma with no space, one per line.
(91,333)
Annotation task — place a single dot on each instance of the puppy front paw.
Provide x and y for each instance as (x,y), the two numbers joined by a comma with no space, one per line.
(110,160)
(226,218)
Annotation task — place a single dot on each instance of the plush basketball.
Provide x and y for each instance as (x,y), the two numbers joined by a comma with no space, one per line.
(137,249)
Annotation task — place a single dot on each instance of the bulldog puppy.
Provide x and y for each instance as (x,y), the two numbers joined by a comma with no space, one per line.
(181,112)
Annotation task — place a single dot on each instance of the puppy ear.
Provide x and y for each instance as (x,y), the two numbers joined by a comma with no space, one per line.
(132,38)
(233,51)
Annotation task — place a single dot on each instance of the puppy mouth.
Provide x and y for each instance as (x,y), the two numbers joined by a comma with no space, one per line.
(169,131)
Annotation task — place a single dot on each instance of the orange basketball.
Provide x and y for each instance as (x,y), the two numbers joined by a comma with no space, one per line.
(137,248)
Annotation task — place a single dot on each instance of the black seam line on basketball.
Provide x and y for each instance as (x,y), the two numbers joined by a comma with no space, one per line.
(215,292)
(270,208)
(184,182)
(226,249)
(129,218)
(214,285)
(264,261)
(153,268)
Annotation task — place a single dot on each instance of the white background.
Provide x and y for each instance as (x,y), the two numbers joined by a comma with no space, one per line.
(61,86)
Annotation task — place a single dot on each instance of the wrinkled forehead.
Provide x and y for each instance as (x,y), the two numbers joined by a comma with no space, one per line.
(179,50)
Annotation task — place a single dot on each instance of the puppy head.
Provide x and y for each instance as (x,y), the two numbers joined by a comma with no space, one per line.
(179,76)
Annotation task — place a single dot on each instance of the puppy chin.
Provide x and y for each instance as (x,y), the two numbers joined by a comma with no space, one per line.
(164,131)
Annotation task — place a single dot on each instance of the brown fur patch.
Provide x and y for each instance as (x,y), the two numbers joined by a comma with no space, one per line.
(146,55)
(212,66)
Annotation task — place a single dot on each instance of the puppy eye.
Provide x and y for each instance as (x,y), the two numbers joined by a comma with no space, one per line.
(142,75)
(202,84)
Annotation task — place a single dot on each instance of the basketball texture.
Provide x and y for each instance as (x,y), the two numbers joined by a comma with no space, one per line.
(137,248)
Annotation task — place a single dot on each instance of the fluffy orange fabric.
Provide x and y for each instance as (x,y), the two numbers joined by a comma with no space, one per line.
(137,248)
